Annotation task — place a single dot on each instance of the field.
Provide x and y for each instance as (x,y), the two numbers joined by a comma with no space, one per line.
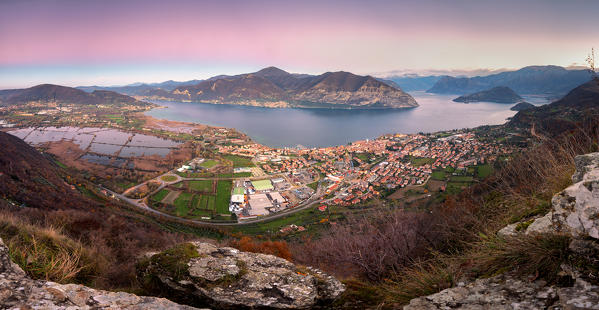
(196,199)
(239,161)
(421,161)
(160,195)
(201,186)
(209,163)
(223,196)
(484,171)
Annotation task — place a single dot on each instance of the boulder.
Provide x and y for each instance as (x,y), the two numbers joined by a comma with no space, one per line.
(18,291)
(226,278)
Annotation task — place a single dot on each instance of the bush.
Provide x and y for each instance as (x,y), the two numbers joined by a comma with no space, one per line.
(277,248)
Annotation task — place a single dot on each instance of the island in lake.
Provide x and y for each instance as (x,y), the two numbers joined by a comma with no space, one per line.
(500,94)
(275,88)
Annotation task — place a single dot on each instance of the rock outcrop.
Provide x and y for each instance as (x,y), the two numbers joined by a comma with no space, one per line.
(226,278)
(508,292)
(18,291)
(575,210)
(574,213)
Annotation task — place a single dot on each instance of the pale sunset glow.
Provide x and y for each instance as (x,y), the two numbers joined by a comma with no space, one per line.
(117,42)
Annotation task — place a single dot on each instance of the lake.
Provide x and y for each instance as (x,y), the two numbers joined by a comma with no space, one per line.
(286,127)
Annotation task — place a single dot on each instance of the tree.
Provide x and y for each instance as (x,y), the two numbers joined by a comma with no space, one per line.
(591,61)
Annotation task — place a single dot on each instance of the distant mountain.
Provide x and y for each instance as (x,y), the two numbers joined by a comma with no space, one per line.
(414,82)
(564,114)
(63,94)
(546,80)
(273,87)
(521,106)
(499,94)
(141,89)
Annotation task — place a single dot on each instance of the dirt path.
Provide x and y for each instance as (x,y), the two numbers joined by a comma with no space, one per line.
(170,198)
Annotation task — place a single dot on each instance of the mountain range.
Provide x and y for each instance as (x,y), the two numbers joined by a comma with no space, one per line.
(141,89)
(273,87)
(553,81)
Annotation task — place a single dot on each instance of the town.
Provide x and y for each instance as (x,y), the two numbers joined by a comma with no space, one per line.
(220,175)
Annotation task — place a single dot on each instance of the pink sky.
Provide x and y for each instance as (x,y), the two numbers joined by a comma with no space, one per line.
(110,41)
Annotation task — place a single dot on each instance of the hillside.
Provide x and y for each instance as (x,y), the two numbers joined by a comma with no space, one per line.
(564,114)
(272,87)
(63,94)
(522,106)
(547,80)
(498,94)
(39,199)
(30,179)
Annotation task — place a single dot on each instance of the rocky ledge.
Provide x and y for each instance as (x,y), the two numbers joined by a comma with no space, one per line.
(574,213)
(201,274)
(18,291)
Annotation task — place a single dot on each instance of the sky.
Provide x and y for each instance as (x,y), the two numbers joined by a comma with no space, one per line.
(116,42)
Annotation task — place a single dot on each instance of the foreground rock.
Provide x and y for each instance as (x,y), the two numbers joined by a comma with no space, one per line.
(508,292)
(18,291)
(226,278)
(575,210)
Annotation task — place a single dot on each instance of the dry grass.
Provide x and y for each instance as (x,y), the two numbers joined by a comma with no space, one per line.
(45,253)
(538,255)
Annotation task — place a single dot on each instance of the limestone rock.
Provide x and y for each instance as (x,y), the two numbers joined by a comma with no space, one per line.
(18,291)
(501,292)
(575,210)
(581,296)
(508,292)
(228,278)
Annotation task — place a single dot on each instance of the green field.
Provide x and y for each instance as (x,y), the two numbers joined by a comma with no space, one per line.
(239,161)
(242,175)
(438,175)
(200,186)
(209,163)
(168,178)
(313,185)
(484,171)
(182,204)
(421,161)
(160,195)
(223,196)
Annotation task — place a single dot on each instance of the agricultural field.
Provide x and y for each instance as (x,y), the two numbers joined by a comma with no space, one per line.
(209,163)
(239,161)
(195,199)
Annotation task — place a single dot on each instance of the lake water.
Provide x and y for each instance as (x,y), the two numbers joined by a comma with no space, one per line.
(325,127)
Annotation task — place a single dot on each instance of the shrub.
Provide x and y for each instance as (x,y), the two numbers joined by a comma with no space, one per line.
(277,248)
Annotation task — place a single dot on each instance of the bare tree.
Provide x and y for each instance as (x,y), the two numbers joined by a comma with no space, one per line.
(591,61)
